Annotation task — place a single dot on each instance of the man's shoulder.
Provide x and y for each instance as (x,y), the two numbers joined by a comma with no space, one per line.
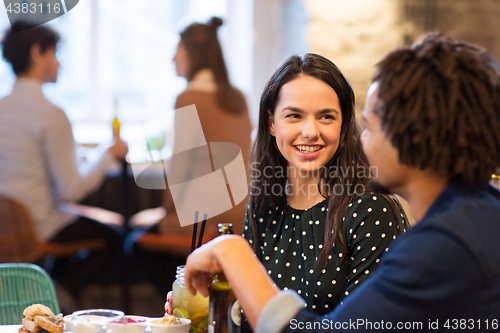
(473,220)
(40,103)
(477,211)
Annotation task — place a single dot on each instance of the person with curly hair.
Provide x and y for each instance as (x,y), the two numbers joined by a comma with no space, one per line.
(433,132)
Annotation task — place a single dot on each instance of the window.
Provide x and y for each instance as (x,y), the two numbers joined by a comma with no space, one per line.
(118,50)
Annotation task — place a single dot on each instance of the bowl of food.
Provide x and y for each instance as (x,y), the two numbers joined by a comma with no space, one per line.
(169,324)
(96,320)
(136,324)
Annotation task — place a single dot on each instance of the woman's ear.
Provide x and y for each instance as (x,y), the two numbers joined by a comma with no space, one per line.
(271,124)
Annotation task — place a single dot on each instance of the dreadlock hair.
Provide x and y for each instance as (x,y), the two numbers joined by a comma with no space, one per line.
(439,105)
(266,155)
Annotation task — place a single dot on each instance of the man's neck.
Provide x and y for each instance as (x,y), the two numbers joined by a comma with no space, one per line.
(31,75)
(421,190)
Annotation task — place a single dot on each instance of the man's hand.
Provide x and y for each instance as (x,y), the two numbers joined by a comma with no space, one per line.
(248,277)
(118,149)
(202,262)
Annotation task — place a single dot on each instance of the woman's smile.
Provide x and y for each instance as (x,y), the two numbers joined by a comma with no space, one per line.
(309,151)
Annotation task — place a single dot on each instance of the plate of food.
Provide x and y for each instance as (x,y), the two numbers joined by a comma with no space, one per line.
(38,317)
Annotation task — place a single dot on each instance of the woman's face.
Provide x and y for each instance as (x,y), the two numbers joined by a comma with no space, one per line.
(181,61)
(307,123)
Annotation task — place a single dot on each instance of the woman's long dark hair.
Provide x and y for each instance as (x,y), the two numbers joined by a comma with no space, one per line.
(204,51)
(348,159)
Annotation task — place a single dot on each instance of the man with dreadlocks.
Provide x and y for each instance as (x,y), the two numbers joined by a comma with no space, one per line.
(433,133)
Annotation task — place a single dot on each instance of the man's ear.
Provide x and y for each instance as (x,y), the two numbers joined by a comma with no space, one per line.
(271,124)
(35,53)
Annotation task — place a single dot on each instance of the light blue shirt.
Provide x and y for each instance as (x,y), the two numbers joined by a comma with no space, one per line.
(38,164)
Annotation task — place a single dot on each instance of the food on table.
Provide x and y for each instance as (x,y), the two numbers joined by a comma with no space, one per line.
(38,310)
(134,321)
(199,321)
(167,320)
(129,321)
(181,313)
(39,318)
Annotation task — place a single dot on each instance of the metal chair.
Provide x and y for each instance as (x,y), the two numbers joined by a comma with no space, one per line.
(19,242)
(22,285)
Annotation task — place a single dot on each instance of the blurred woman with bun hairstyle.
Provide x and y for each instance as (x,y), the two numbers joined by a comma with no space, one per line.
(199,59)
(223,115)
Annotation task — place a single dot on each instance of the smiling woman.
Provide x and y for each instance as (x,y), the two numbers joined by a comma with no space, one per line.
(306,125)
(316,227)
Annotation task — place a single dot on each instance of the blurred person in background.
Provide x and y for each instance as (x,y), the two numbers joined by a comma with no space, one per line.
(38,163)
(223,115)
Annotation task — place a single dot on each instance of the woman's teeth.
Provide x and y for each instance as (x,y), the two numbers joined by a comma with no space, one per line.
(308,149)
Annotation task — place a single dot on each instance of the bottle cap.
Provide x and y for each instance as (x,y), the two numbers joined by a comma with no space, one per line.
(225,228)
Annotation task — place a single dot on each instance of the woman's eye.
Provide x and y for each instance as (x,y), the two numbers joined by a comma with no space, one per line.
(328,116)
(293,116)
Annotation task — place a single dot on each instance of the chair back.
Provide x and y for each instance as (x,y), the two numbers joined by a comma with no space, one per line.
(22,285)
(18,241)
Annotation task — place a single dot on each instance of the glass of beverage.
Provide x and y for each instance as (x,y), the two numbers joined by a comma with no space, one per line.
(188,306)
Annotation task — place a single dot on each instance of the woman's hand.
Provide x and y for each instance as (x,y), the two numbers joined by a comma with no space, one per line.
(168,304)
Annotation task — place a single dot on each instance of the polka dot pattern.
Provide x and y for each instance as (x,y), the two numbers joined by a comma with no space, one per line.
(291,241)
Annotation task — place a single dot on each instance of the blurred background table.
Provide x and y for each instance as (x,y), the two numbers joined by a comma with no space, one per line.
(120,193)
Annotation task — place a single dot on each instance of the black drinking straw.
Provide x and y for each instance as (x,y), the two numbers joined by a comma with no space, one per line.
(202,230)
(195,227)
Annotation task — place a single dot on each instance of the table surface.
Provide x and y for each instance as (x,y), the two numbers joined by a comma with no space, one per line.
(9,328)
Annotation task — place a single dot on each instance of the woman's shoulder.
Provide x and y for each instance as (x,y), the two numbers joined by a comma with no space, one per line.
(189,97)
(372,218)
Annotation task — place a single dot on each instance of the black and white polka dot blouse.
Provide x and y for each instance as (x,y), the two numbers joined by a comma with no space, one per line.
(292,240)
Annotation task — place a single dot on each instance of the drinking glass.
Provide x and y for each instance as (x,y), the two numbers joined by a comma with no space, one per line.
(188,306)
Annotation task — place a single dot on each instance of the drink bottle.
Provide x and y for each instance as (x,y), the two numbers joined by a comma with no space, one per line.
(224,312)
(116,122)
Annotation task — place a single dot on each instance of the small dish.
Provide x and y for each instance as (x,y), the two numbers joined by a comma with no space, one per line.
(136,324)
(99,315)
(116,327)
(80,326)
(175,328)
(96,320)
